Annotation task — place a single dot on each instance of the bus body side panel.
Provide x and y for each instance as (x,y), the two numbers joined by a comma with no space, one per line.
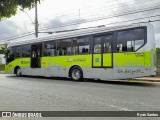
(125,64)
(21,62)
(131,64)
(60,65)
(24,64)
(151,46)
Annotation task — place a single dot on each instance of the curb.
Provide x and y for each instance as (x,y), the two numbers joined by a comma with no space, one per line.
(150,79)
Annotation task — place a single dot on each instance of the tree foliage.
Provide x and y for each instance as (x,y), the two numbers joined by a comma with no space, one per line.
(158,49)
(3,49)
(9,7)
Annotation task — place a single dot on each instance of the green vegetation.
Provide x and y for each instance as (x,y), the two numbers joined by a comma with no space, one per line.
(9,7)
(157,49)
(2,66)
(3,49)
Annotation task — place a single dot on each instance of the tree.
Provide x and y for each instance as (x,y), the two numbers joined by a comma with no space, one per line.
(158,49)
(9,7)
(3,49)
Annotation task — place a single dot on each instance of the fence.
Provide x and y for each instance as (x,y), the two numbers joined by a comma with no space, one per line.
(158,60)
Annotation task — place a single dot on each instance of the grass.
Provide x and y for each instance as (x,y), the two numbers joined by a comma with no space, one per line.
(2,67)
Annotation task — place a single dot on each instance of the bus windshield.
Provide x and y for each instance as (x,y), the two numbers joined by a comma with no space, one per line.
(9,55)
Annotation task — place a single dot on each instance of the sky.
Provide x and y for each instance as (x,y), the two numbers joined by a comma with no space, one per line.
(57,15)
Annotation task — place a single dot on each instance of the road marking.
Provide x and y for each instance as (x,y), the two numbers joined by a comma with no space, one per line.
(97,102)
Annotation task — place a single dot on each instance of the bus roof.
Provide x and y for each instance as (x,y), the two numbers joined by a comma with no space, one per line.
(75,33)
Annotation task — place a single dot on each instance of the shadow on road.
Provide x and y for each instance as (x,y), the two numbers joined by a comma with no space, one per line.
(114,82)
(124,82)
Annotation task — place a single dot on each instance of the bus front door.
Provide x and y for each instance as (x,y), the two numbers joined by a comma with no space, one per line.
(36,53)
(102,52)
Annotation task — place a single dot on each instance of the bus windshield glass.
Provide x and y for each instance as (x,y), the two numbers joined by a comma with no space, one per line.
(9,55)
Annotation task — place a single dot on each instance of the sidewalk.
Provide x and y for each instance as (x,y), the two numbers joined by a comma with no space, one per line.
(147,79)
(1,72)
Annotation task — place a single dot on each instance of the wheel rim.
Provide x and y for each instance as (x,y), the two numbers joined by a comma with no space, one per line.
(76,74)
(18,72)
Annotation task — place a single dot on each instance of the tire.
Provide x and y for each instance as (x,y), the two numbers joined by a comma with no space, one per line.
(76,74)
(19,72)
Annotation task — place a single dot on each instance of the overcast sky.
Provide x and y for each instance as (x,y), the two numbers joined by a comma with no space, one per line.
(68,14)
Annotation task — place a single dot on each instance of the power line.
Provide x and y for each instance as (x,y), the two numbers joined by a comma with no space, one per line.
(108,6)
(12,37)
(104,9)
(112,5)
(102,18)
(130,9)
(128,21)
(105,24)
(154,20)
(144,1)
(26,34)
(93,20)
(17,37)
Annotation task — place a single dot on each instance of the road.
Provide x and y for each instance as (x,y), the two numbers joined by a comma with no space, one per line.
(55,94)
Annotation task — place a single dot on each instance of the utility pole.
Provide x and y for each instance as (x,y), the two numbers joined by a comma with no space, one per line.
(36,19)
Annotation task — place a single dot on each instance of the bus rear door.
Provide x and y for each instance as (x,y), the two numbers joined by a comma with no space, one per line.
(102,51)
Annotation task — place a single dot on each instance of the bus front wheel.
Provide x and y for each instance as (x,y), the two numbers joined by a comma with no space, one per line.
(76,74)
(19,72)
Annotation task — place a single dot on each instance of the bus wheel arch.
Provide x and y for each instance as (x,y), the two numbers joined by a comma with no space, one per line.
(76,73)
(18,71)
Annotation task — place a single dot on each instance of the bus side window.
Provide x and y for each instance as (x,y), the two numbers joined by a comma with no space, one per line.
(64,47)
(49,48)
(26,50)
(107,43)
(131,40)
(10,54)
(81,45)
(17,52)
(97,44)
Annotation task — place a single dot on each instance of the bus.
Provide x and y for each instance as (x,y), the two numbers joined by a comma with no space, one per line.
(104,53)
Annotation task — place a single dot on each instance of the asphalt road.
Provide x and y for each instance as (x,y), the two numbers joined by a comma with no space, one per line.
(55,94)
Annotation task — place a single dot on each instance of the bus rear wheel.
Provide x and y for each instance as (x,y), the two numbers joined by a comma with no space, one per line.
(76,74)
(19,72)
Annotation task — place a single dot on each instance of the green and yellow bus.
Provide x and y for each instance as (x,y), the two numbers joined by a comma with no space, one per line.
(105,53)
